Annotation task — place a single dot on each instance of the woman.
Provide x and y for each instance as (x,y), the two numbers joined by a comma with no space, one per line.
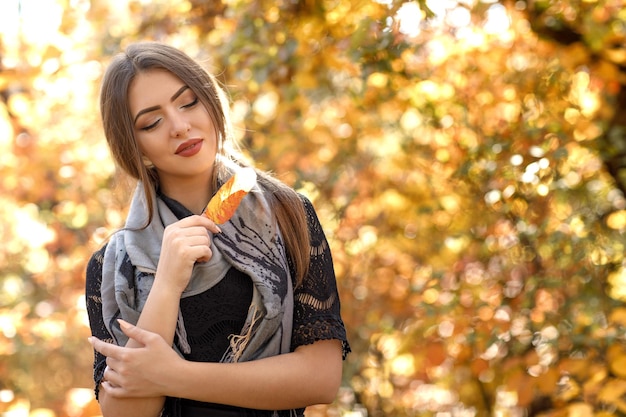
(190,318)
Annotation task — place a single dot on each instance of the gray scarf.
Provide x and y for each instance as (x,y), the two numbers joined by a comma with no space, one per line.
(250,241)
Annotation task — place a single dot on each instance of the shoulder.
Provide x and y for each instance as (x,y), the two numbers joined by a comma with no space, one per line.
(98,256)
(94,265)
(308,205)
(312,219)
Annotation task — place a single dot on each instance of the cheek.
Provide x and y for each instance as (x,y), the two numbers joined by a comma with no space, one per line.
(148,142)
(217,145)
(141,146)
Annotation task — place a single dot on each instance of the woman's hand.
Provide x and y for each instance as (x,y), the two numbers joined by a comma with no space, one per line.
(185,242)
(140,371)
(309,375)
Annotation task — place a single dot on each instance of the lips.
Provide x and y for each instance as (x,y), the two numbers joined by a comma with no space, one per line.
(189,147)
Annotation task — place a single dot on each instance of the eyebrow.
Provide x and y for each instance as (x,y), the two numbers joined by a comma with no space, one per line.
(153,108)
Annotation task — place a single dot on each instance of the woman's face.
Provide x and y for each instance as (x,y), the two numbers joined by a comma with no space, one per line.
(173,128)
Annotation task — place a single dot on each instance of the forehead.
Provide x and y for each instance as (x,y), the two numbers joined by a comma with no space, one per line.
(152,88)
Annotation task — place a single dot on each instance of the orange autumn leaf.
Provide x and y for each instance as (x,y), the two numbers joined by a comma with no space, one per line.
(225,202)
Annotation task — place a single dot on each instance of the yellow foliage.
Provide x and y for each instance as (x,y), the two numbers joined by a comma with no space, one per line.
(618,316)
(458,172)
(617,220)
(617,284)
(548,381)
(612,393)
(580,410)
(617,365)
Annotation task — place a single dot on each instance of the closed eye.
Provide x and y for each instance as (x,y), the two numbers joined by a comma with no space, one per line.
(193,103)
(151,126)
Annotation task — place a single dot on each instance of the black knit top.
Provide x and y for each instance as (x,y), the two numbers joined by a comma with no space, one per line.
(211,317)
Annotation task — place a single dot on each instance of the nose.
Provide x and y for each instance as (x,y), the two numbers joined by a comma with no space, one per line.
(180,126)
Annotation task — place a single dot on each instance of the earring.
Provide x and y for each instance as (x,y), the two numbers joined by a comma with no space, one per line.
(147,163)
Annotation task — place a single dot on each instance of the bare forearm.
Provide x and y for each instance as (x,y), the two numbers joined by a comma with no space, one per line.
(136,407)
(311,375)
(159,315)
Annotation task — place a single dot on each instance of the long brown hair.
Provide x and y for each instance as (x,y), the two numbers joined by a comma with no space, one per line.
(117,120)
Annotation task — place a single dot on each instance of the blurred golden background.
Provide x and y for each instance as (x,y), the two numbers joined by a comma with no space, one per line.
(466,159)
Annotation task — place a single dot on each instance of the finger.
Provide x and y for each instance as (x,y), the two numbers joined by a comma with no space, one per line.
(214,228)
(112,389)
(109,376)
(107,349)
(198,233)
(199,240)
(205,256)
(136,333)
(206,223)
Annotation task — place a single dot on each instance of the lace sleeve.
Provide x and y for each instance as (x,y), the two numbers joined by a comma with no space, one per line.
(317,313)
(94,311)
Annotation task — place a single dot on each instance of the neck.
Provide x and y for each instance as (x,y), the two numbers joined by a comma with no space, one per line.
(193,193)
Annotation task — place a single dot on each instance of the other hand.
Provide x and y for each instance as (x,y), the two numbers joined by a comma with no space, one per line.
(137,372)
(185,242)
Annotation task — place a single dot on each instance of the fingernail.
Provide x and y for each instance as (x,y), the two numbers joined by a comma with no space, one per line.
(218,229)
(90,339)
(124,324)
